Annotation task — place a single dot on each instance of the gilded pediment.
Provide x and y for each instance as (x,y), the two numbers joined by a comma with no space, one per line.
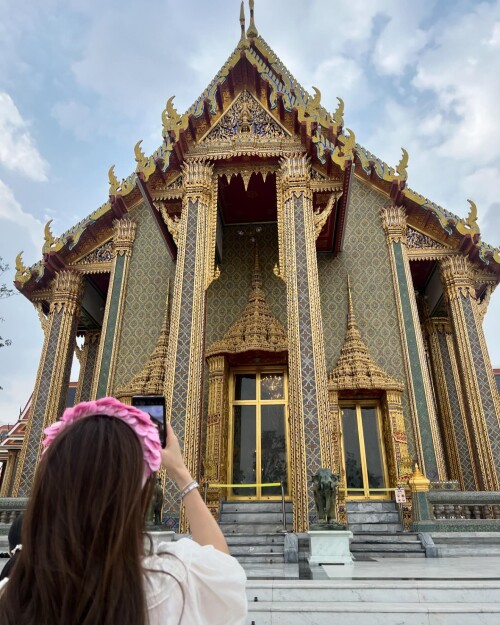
(417,241)
(245,120)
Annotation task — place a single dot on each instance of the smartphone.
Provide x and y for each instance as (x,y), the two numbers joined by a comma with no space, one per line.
(154,405)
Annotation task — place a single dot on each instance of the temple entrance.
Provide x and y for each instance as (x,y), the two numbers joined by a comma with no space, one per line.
(258,437)
(363,451)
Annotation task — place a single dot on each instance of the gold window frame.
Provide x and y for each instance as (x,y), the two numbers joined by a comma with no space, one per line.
(368,493)
(258,371)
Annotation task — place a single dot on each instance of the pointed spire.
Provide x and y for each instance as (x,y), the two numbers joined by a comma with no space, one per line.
(257,329)
(355,367)
(252,31)
(151,379)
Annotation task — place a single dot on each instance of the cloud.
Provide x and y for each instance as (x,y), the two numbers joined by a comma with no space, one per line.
(11,210)
(17,149)
(461,69)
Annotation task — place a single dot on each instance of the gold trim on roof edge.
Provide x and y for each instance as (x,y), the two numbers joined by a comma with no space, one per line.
(310,111)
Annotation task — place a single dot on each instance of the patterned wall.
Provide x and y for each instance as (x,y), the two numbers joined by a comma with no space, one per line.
(458,424)
(37,416)
(151,267)
(483,375)
(227,296)
(365,258)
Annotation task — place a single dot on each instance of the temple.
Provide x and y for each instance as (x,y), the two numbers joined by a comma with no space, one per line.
(293,300)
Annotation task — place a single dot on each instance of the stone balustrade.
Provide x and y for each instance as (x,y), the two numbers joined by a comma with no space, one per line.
(461,511)
(11,507)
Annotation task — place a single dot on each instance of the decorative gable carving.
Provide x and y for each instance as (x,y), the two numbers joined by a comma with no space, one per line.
(246,120)
(417,240)
(101,254)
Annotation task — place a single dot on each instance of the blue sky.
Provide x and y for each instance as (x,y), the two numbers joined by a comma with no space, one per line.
(82,81)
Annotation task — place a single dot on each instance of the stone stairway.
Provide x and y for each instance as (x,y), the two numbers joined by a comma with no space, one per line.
(378,532)
(255,536)
(374,602)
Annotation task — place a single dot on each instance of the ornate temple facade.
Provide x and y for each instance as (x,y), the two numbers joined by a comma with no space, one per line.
(293,300)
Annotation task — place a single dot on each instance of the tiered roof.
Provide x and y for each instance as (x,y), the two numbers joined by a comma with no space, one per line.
(254,66)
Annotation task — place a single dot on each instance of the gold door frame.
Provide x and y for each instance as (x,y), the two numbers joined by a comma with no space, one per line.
(257,403)
(379,494)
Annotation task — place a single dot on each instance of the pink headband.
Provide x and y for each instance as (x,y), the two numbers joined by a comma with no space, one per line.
(139,421)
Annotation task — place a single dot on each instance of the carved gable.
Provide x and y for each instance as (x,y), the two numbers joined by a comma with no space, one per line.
(417,240)
(245,120)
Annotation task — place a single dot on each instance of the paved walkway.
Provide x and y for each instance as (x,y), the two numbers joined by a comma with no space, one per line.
(470,568)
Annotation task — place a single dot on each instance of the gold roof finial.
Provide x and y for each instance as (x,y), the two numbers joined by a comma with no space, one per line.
(252,31)
(242,19)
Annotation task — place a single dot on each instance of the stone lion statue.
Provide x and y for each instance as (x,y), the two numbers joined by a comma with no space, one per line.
(325,484)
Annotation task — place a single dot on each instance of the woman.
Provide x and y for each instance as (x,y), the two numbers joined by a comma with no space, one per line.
(83,560)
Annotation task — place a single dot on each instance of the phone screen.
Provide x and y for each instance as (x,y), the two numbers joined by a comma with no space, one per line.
(154,405)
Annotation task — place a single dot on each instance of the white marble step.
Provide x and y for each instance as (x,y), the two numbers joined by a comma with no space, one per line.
(375,527)
(255,517)
(380,546)
(256,539)
(399,537)
(256,529)
(273,549)
(254,506)
(371,506)
(356,613)
(376,591)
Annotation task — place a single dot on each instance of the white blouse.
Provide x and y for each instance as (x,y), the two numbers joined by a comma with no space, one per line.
(203,584)
(200,584)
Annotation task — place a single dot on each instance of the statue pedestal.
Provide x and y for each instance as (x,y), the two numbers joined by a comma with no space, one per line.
(158,537)
(330,547)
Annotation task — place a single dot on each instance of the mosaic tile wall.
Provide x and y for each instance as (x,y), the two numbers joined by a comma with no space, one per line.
(116,289)
(227,296)
(482,374)
(151,267)
(365,258)
(37,416)
(458,424)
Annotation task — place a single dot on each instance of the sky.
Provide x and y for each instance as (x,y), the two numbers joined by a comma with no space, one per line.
(81,81)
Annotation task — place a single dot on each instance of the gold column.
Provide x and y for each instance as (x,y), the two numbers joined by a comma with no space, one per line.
(311,429)
(49,396)
(87,357)
(123,240)
(10,472)
(476,374)
(217,428)
(184,377)
(423,412)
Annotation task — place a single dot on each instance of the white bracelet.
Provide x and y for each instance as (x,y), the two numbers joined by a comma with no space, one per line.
(187,489)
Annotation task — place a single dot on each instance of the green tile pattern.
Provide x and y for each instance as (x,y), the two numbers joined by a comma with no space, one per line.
(483,373)
(151,267)
(416,368)
(365,259)
(458,423)
(110,329)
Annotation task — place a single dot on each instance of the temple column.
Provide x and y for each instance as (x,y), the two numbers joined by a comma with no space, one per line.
(217,427)
(474,367)
(423,412)
(51,387)
(87,357)
(185,354)
(123,241)
(456,438)
(311,430)
(9,473)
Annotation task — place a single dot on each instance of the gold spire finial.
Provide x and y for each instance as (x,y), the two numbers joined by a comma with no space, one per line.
(252,31)
(242,19)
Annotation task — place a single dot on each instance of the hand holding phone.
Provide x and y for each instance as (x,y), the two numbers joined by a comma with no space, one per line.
(154,405)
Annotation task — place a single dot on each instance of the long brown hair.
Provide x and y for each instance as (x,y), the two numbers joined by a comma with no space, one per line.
(82,542)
